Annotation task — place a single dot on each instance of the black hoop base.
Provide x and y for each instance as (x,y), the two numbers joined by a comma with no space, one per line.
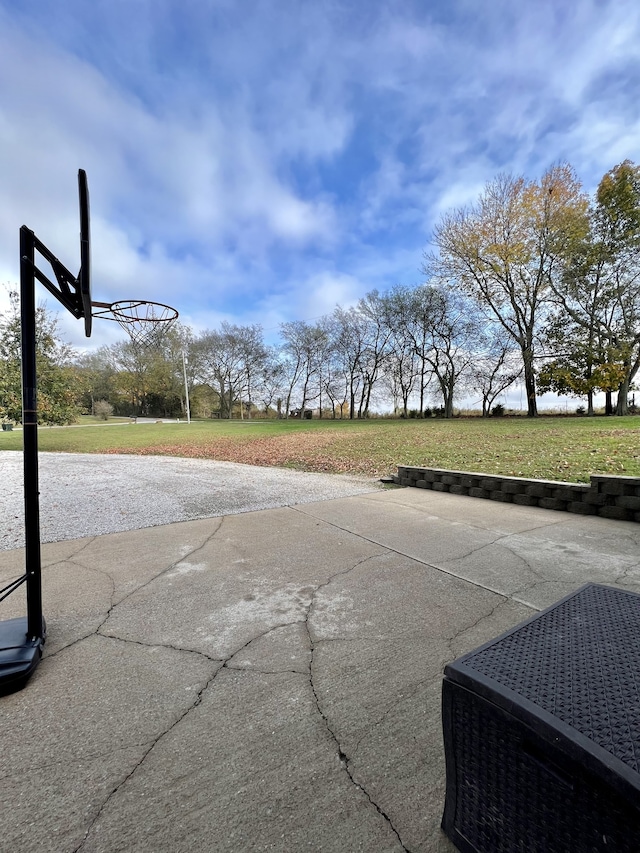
(19,655)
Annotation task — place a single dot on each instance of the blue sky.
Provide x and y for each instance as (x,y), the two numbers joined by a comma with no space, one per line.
(259,162)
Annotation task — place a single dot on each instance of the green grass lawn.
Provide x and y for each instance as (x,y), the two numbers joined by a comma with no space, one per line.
(551,448)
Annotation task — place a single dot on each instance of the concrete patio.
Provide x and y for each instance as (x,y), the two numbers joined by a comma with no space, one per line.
(271,680)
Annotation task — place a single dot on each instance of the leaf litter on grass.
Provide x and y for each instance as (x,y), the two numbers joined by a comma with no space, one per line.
(568,450)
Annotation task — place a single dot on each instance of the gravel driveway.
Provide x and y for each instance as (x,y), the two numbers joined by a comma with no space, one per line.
(91,494)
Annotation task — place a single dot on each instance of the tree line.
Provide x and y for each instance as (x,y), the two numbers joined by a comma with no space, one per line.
(534,282)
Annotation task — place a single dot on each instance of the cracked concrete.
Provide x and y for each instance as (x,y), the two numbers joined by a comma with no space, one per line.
(271,680)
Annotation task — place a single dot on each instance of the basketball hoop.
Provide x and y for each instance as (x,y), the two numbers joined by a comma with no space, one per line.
(22,639)
(145,322)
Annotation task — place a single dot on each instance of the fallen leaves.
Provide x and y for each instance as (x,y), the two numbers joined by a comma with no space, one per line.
(568,451)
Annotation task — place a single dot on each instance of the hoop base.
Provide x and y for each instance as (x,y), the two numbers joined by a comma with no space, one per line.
(19,656)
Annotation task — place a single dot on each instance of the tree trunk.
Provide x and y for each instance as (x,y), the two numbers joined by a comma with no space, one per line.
(530,382)
(622,407)
(608,403)
(422,387)
(448,405)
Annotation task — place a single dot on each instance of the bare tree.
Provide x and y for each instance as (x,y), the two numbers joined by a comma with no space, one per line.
(453,333)
(303,346)
(254,355)
(410,316)
(399,372)
(350,336)
(270,380)
(228,360)
(494,370)
(373,309)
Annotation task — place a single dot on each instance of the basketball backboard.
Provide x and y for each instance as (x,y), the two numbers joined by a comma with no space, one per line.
(84,276)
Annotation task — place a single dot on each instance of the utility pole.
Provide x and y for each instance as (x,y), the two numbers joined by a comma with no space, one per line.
(186,388)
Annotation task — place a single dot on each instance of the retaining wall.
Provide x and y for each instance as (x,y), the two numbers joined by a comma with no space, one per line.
(609,497)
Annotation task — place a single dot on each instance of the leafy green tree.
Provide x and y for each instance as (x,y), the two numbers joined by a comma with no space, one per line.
(600,285)
(97,376)
(57,397)
(582,364)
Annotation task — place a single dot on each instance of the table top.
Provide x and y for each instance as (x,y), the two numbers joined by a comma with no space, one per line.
(578,660)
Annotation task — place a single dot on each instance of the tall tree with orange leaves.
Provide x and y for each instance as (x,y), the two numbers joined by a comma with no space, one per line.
(505,250)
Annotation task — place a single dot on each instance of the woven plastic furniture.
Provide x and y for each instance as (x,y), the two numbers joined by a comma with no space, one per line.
(542,732)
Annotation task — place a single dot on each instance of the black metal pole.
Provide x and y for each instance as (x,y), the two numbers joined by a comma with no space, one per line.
(30,435)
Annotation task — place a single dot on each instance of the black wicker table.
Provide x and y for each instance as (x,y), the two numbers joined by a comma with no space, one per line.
(542,732)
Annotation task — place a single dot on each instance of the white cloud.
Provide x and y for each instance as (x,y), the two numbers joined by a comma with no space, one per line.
(170,194)
(298,156)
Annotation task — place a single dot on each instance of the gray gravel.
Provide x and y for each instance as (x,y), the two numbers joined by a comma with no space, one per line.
(88,495)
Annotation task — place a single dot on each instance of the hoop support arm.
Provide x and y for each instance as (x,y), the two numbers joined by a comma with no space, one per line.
(68,290)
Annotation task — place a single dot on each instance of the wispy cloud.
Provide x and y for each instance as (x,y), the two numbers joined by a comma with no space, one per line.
(261,162)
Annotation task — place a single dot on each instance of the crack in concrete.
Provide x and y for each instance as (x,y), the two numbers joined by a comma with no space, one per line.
(527,563)
(100,572)
(175,563)
(238,668)
(159,646)
(450,640)
(622,577)
(342,756)
(227,663)
(47,565)
(98,630)
(198,699)
(397,703)
(163,734)
(50,656)
(155,577)
(504,542)
(139,763)
(443,569)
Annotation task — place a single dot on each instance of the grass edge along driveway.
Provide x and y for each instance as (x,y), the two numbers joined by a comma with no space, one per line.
(550,448)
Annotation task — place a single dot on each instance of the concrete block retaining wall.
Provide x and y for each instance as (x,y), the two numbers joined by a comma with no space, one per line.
(609,497)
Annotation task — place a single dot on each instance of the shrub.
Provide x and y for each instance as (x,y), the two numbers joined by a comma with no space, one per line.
(497,411)
(103,410)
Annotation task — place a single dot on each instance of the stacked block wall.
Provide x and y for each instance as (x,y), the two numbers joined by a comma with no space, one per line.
(609,497)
